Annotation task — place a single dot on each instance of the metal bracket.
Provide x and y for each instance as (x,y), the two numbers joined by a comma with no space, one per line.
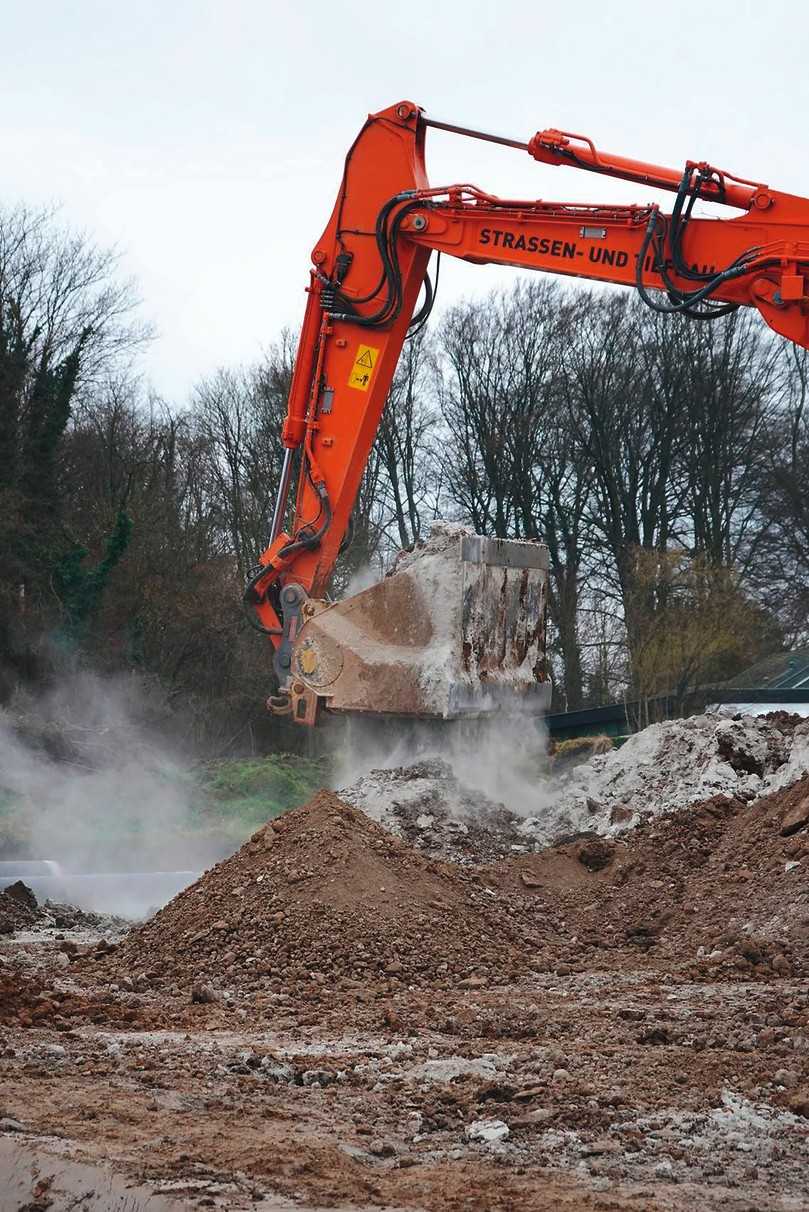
(295,699)
(304,702)
(292,600)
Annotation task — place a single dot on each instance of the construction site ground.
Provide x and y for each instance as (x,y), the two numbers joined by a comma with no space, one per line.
(335,1018)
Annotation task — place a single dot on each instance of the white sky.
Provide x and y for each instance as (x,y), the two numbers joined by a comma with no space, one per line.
(205,138)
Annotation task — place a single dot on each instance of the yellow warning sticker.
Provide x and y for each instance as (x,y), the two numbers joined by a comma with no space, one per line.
(363,368)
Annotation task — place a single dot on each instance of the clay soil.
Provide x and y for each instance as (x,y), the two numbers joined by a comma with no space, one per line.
(331,1018)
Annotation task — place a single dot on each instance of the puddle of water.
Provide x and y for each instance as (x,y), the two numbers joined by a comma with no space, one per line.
(28,1171)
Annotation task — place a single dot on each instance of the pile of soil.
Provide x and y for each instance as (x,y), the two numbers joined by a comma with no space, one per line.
(326,896)
(717,889)
(16,911)
(672,765)
(665,768)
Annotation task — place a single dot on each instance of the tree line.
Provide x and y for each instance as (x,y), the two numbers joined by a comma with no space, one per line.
(660,459)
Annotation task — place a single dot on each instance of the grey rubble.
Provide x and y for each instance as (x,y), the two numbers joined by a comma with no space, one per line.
(661,769)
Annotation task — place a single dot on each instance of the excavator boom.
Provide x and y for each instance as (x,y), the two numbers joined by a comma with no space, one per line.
(475,642)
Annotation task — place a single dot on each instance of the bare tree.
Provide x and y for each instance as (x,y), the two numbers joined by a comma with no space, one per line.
(405,443)
(237,416)
(477,387)
(66,319)
(551,474)
(781,568)
(628,425)
(706,629)
(727,399)
(516,466)
(59,290)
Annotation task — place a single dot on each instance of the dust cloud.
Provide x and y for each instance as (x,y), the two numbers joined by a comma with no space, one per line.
(361,579)
(503,757)
(88,780)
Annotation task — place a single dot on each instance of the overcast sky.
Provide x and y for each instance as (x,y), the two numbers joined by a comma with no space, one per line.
(205,138)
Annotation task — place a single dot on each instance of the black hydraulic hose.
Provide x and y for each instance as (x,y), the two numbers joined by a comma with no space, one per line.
(678,222)
(307,541)
(677,226)
(426,307)
(681,297)
(348,537)
(388,268)
(250,599)
(391,242)
(690,298)
(387,235)
(706,311)
(417,323)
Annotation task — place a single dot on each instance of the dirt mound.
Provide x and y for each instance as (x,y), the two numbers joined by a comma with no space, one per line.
(664,768)
(324,895)
(15,913)
(328,899)
(719,888)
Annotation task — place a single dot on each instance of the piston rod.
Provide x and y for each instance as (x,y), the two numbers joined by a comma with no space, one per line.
(281,498)
(486,136)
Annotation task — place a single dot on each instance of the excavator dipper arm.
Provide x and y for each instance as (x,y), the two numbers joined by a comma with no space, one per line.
(369,267)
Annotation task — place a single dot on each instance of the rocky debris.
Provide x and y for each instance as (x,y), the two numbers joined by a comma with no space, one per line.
(70,917)
(19,910)
(669,766)
(662,769)
(426,805)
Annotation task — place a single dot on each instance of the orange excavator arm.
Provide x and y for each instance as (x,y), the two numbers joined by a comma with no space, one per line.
(370,265)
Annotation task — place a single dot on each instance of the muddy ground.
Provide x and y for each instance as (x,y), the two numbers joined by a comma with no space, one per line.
(610,1025)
